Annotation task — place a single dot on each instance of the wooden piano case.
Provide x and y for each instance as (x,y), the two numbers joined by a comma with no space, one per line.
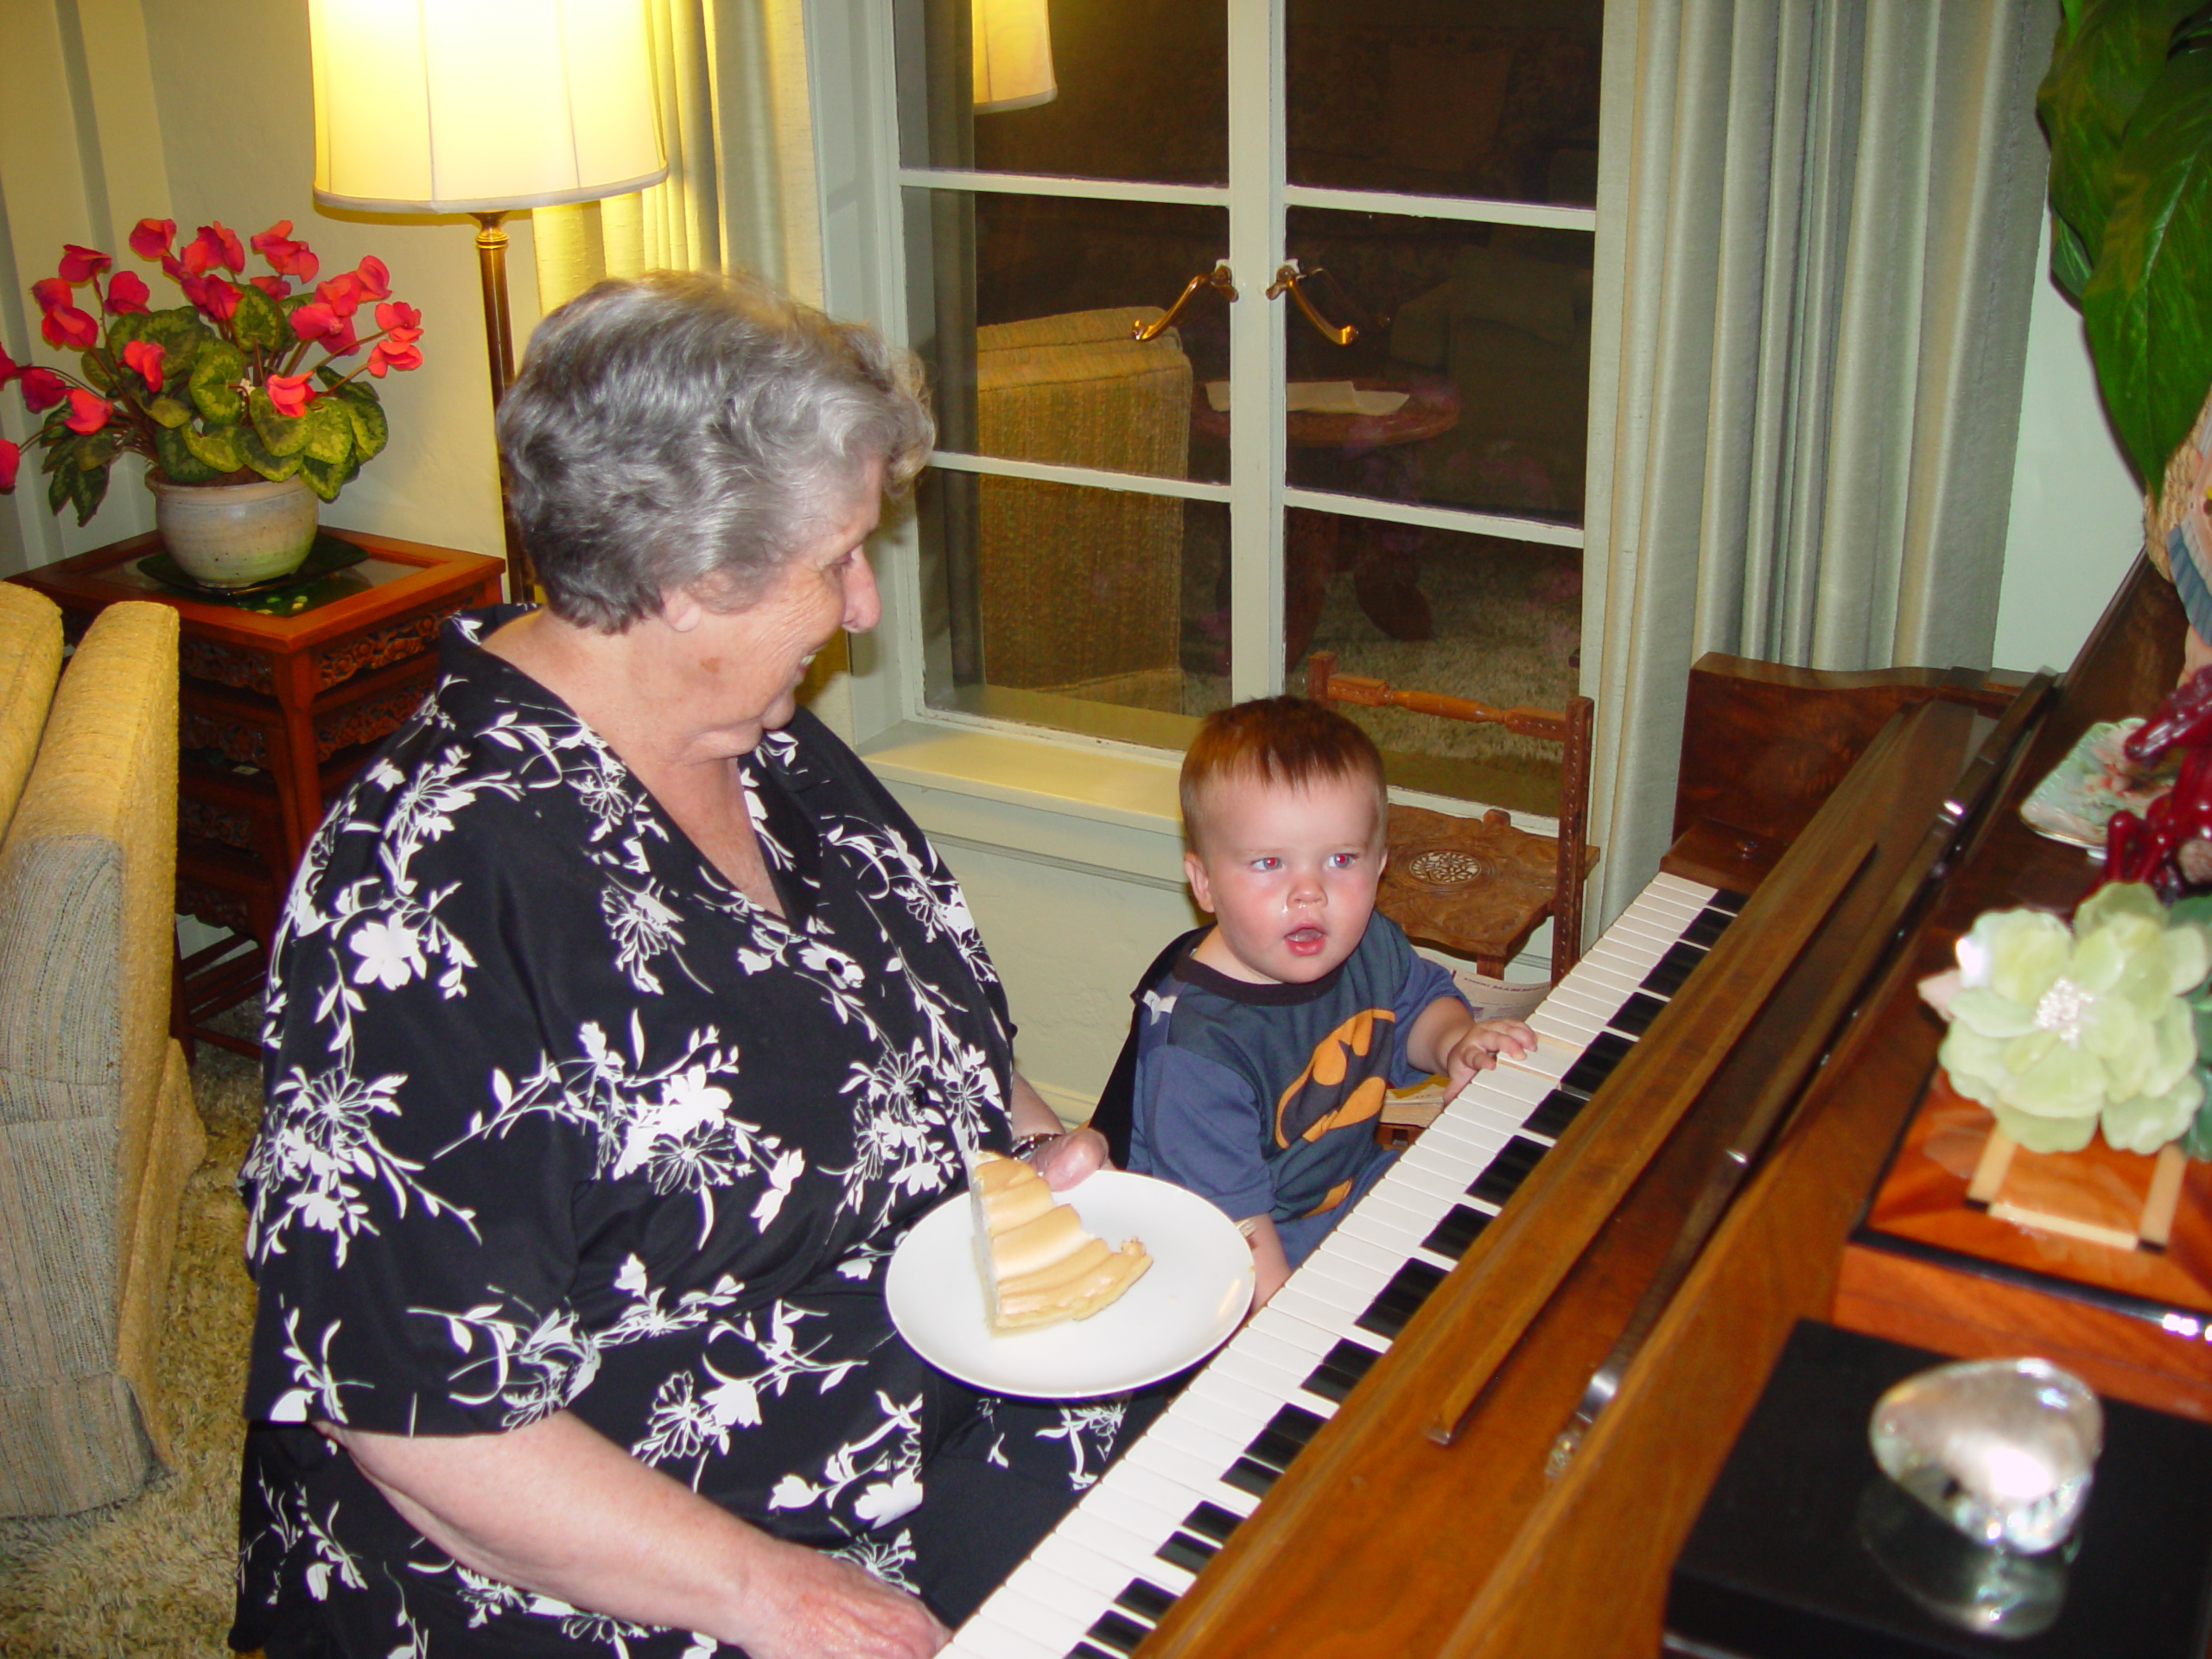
(1429,1515)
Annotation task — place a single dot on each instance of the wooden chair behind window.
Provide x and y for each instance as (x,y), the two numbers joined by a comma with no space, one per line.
(1478,886)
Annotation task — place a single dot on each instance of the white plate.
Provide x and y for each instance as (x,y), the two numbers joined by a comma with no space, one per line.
(1186,1305)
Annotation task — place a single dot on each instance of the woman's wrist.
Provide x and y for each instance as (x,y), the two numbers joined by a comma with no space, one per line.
(1027,1146)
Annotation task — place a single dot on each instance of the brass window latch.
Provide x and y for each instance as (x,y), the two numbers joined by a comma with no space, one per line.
(1219,278)
(1289,279)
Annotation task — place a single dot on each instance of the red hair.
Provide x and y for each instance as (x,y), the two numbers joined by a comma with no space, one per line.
(1289,741)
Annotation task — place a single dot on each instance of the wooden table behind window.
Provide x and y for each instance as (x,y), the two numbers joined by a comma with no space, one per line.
(275,713)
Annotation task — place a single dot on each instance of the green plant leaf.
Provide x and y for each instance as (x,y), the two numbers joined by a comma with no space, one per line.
(124,327)
(2107,55)
(178,463)
(2147,305)
(88,489)
(257,325)
(329,439)
(168,411)
(57,483)
(96,372)
(371,429)
(325,479)
(2070,260)
(217,365)
(217,447)
(281,435)
(256,454)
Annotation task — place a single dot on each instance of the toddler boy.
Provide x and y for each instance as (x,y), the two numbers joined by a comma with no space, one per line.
(1262,1054)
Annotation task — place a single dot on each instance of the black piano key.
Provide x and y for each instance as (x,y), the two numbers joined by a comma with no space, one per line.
(1456,1231)
(1212,1521)
(1708,926)
(1146,1599)
(1597,1063)
(1084,1650)
(1248,1474)
(1506,1171)
(1399,1301)
(1730,900)
(1340,1369)
(1190,1553)
(1633,1017)
(1666,978)
(1117,1631)
(1284,1437)
(1556,1112)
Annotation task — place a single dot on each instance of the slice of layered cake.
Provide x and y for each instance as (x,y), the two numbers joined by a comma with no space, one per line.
(1039,1264)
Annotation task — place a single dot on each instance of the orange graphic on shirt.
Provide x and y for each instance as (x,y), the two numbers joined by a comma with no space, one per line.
(1333,1089)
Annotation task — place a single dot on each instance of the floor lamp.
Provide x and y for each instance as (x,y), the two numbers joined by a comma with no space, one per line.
(483,107)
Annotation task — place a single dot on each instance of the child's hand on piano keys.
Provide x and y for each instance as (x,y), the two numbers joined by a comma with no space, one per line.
(1478,1047)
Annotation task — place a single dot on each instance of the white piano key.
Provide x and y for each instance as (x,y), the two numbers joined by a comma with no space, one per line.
(1047,1585)
(1205,1450)
(1660,908)
(1352,1249)
(1169,1493)
(1321,1302)
(1397,1227)
(1286,1383)
(1682,886)
(1582,1001)
(1414,1179)
(1219,1402)
(1544,1062)
(1102,1579)
(1617,976)
(1057,1629)
(1286,1325)
(1450,1156)
(1565,1024)
(1359,1280)
(1658,936)
(1525,1091)
(1268,1344)
(1146,1512)
(987,1638)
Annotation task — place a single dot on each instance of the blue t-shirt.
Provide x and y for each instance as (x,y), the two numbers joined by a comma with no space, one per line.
(1264,1097)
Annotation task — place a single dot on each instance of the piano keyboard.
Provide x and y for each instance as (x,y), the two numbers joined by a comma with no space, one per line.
(1098,1583)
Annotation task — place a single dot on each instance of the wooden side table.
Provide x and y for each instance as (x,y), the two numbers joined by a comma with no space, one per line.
(275,715)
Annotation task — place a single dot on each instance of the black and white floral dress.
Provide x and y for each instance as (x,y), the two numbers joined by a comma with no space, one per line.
(557,1118)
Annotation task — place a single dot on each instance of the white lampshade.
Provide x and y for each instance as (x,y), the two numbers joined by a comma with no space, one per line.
(1013,56)
(459,106)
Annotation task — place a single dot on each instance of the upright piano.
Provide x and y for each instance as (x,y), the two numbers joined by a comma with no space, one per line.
(1482,1419)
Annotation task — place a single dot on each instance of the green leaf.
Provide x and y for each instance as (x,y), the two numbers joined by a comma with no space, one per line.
(2107,55)
(57,485)
(2148,303)
(326,479)
(96,372)
(124,327)
(281,435)
(178,464)
(256,454)
(217,447)
(88,489)
(168,411)
(217,365)
(2197,1142)
(257,325)
(2070,260)
(371,429)
(329,439)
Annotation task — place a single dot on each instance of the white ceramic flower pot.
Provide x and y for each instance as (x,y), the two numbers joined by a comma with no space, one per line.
(235,535)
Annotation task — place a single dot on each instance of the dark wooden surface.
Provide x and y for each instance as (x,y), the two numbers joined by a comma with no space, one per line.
(1381,1540)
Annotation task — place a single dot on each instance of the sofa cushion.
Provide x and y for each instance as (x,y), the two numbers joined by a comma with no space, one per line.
(30,661)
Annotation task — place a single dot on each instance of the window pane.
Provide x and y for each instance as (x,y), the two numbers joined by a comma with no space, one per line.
(1471,616)
(1469,378)
(1443,98)
(1097,611)
(1023,308)
(1140,89)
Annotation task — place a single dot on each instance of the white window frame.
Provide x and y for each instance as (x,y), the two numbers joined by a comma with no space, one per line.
(1061,797)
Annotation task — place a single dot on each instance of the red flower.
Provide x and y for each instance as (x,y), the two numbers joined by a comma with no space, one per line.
(375,280)
(216,245)
(275,287)
(82,264)
(152,237)
(212,294)
(9,367)
(333,327)
(10,456)
(286,256)
(289,393)
(393,352)
(397,313)
(49,292)
(145,356)
(42,389)
(88,411)
(342,293)
(126,292)
(71,329)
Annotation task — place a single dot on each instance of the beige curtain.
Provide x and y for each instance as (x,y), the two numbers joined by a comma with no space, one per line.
(731,76)
(1819,223)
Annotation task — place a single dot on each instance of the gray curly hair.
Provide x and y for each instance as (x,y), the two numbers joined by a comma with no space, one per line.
(689,430)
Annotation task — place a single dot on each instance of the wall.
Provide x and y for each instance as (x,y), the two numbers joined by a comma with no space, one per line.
(113,111)
(2077,515)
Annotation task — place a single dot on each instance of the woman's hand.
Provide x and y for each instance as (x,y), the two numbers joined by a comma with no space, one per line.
(1065,1161)
(818,1607)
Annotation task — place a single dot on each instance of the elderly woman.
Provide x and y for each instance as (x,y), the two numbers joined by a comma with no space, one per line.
(619,1026)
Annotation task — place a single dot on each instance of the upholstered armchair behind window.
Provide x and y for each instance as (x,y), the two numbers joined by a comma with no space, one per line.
(97,1132)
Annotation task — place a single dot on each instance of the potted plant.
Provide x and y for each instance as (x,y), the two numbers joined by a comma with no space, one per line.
(241,432)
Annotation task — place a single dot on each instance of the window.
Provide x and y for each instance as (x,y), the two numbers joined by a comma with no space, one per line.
(1376,448)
